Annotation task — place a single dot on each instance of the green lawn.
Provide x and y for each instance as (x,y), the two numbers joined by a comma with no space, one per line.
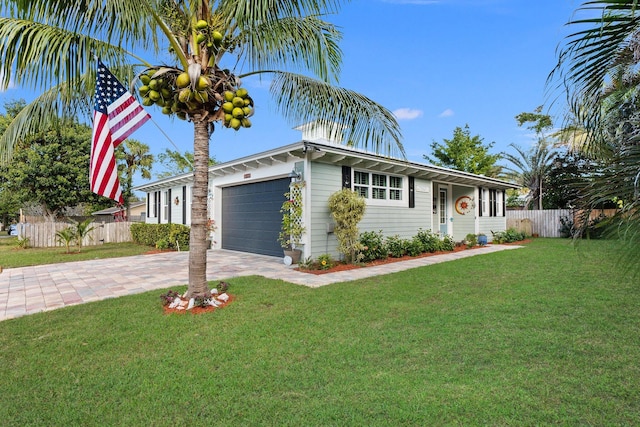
(12,256)
(536,336)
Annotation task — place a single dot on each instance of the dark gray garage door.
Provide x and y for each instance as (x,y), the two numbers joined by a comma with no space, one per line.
(251,216)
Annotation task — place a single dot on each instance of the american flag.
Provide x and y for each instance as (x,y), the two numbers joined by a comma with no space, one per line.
(116,115)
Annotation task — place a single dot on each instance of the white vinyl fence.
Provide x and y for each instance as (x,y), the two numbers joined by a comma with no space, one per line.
(545,223)
(43,234)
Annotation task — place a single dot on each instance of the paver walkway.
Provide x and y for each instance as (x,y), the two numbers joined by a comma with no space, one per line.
(28,290)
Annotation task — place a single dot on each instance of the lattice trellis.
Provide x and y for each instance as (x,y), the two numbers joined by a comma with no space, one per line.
(295,199)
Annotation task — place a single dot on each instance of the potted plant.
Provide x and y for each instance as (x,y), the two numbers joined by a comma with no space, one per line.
(482,239)
(290,236)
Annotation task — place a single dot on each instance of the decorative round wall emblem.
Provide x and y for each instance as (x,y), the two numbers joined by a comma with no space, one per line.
(464,205)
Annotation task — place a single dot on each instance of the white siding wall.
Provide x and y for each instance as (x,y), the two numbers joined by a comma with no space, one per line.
(489,224)
(404,221)
(462,224)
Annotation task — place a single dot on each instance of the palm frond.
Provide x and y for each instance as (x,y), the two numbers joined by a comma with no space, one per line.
(249,12)
(303,43)
(365,123)
(40,56)
(589,56)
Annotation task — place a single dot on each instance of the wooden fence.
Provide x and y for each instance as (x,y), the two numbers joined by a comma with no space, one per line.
(43,234)
(545,223)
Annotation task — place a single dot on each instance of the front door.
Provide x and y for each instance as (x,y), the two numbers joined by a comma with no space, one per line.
(443,213)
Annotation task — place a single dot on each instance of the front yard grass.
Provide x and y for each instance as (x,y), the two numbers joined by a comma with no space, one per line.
(535,336)
(11,256)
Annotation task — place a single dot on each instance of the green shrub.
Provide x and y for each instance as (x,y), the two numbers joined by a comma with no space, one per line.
(430,241)
(508,236)
(447,243)
(396,246)
(163,234)
(414,247)
(373,246)
(471,239)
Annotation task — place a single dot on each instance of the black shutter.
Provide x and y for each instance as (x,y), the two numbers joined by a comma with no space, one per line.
(169,202)
(480,201)
(346,177)
(148,205)
(492,202)
(158,207)
(412,192)
(504,203)
(184,204)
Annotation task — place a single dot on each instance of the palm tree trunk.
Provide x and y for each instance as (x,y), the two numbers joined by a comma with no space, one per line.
(198,244)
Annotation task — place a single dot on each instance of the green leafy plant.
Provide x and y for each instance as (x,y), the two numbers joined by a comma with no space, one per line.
(325,262)
(508,236)
(23,243)
(162,244)
(373,246)
(414,246)
(82,229)
(447,243)
(65,237)
(396,246)
(292,227)
(430,241)
(471,240)
(347,209)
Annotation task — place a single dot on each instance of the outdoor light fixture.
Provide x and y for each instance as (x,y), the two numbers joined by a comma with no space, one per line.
(295,175)
(176,201)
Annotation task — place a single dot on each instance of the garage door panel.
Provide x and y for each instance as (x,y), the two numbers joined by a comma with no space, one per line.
(251,216)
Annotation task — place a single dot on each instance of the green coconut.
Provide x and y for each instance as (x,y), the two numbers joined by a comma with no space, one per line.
(185,95)
(237,113)
(238,102)
(217,37)
(203,83)
(246,123)
(227,107)
(235,124)
(154,95)
(242,93)
(183,80)
(201,24)
(228,96)
(143,90)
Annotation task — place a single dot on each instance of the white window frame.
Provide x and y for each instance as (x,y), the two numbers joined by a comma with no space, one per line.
(165,205)
(369,188)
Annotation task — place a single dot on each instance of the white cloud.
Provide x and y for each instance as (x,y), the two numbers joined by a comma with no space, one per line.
(407,113)
(446,113)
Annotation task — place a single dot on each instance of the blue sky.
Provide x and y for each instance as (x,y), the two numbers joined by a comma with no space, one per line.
(437,64)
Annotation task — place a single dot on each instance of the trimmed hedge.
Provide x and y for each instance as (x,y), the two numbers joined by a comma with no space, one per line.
(161,236)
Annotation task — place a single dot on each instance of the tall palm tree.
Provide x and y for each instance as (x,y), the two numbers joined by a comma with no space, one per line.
(50,46)
(530,169)
(133,156)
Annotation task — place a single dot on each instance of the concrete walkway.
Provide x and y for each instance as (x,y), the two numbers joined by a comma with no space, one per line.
(28,290)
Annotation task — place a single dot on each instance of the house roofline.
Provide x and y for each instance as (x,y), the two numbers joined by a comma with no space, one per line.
(325,151)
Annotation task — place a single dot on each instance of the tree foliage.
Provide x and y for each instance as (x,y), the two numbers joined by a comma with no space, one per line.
(50,170)
(465,153)
(176,163)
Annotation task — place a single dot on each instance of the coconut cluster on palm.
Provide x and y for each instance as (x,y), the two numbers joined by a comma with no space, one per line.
(203,88)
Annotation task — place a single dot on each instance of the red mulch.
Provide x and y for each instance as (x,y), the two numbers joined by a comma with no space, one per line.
(198,310)
(341,266)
